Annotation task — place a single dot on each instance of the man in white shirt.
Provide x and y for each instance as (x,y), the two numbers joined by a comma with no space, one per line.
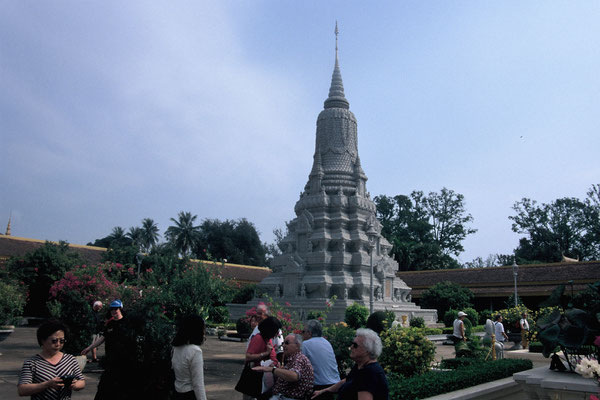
(458,332)
(501,336)
(524,330)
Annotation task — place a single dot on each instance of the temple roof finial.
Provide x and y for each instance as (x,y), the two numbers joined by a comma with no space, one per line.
(336,98)
(8,226)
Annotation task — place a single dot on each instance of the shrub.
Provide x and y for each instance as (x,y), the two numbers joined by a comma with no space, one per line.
(455,363)
(434,383)
(484,315)
(242,326)
(219,314)
(244,294)
(536,347)
(356,316)
(511,318)
(406,351)
(38,270)
(449,317)
(340,336)
(472,315)
(380,320)
(446,295)
(12,302)
(417,322)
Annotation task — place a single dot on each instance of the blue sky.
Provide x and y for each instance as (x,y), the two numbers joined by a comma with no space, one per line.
(116,111)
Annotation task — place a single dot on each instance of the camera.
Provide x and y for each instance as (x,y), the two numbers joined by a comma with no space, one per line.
(67,380)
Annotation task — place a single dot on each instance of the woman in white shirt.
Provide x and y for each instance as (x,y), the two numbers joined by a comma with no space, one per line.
(187,361)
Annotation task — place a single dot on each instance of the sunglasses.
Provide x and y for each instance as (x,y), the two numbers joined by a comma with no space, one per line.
(288,342)
(354,345)
(62,341)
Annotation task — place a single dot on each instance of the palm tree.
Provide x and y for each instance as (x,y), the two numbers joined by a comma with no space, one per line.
(118,237)
(149,233)
(136,235)
(183,234)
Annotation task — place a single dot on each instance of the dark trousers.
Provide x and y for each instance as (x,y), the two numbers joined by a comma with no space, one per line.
(324,396)
(184,396)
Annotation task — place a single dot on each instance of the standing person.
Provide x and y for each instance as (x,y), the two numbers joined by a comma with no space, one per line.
(262,312)
(187,361)
(116,382)
(321,356)
(99,324)
(50,374)
(524,329)
(366,380)
(501,336)
(260,347)
(294,380)
(458,332)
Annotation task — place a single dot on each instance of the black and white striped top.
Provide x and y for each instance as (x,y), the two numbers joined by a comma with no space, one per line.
(37,370)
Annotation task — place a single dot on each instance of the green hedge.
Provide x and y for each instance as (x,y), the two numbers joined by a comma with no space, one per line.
(434,383)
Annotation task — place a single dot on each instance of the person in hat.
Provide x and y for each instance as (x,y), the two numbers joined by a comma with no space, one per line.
(458,332)
(119,351)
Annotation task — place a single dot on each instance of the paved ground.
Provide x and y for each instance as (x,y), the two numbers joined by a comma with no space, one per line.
(223,362)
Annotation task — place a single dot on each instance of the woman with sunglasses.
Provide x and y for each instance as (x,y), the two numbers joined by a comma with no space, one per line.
(51,374)
(366,380)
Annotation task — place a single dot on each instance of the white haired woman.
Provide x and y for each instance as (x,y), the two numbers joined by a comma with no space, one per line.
(366,380)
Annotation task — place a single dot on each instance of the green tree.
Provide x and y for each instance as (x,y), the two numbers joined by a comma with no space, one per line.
(566,226)
(446,295)
(149,233)
(184,234)
(235,241)
(426,231)
(38,270)
(135,234)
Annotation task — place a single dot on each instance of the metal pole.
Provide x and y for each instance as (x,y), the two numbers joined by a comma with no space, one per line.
(515,273)
(372,247)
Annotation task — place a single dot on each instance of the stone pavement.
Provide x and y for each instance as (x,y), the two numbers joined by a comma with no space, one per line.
(223,362)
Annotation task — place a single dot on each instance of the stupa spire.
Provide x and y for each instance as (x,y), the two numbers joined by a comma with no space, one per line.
(336,98)
(8,226)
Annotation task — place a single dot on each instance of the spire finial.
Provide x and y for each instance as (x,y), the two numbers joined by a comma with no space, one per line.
(8,226)
(336,91)
(337,32)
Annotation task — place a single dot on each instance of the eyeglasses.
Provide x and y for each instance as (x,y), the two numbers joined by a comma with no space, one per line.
(354,345)
(114,308)
(61,340)
(288,342)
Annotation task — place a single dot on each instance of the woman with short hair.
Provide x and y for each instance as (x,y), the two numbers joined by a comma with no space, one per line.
(366,380)
(50,374)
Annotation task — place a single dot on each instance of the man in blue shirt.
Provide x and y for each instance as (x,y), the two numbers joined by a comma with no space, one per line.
(321,356)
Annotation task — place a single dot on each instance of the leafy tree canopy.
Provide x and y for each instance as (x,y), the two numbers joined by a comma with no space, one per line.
(425,230)
(567,226)
(446,295)
(235,241)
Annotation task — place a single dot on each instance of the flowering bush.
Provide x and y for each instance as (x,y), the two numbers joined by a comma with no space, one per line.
(588,368)
(406,351)
(340,336)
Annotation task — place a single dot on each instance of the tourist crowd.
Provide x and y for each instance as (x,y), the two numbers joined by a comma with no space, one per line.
(299,366)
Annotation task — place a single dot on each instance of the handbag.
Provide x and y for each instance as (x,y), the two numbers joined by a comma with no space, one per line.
(250,382)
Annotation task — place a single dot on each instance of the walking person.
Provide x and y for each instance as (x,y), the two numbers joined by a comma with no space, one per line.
(321,356)
(50,374)
(98,326)
(187,361)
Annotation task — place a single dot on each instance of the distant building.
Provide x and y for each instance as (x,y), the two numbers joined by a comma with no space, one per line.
(11,246)
(492,286)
